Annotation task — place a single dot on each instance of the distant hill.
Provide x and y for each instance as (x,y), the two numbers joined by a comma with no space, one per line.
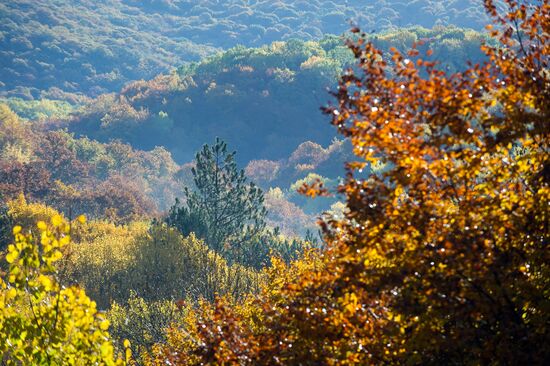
(96,46)
(263,101)
(116,182)
(84,46)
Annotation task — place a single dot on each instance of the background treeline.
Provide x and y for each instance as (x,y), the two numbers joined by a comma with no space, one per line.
(263,101)
(83,176)
(84,46)
(93,47)
(117,182)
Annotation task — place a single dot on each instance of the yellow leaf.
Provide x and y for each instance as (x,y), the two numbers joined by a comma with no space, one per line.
(82,219)
(128,355)
(57,220)
(104,325)
(56,256)
(45,282)
(64,240)
(12,292)
(12,256)
(106,350)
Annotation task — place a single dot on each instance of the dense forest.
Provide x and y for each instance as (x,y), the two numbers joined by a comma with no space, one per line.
(116,181)
(285,83)
(274,182)
(92,47)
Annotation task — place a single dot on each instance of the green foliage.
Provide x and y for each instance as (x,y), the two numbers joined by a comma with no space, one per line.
(15,137)
(84,47)
(39,110)
(223,209)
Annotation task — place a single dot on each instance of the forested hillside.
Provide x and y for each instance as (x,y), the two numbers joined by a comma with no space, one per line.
(286,182)
(84,46)
(117,182)
(93,47)
(263,101)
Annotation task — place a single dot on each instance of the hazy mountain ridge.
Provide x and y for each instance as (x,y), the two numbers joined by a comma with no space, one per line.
(251,97)
(92,47)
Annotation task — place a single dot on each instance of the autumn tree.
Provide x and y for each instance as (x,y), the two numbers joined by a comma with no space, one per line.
(442,256)
(57,156)
(41,321)
(30,179)
(224,208)
(15,137)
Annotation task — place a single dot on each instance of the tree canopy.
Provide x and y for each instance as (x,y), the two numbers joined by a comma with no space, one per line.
(442,257)
(50,49)
(263,101)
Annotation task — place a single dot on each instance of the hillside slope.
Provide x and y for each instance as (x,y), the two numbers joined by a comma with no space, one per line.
(84,46)
(263,101)
(95,46)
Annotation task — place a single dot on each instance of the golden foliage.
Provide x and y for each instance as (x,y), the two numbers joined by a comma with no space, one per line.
(27,214)
(156,261)
(144,323)
(442,256)
(42,322)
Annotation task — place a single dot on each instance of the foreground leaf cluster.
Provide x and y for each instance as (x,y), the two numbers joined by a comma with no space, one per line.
(42,322)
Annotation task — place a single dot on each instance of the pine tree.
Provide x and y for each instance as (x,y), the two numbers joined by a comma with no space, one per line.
(224,209)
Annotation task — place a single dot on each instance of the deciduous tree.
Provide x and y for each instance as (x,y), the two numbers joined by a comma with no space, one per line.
(42,322)
(442,256)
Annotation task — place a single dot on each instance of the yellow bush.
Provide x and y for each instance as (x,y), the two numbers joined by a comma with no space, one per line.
(41,322)
(144,323)
(27,214)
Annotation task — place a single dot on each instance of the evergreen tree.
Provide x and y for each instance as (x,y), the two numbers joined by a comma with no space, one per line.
(224,209)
